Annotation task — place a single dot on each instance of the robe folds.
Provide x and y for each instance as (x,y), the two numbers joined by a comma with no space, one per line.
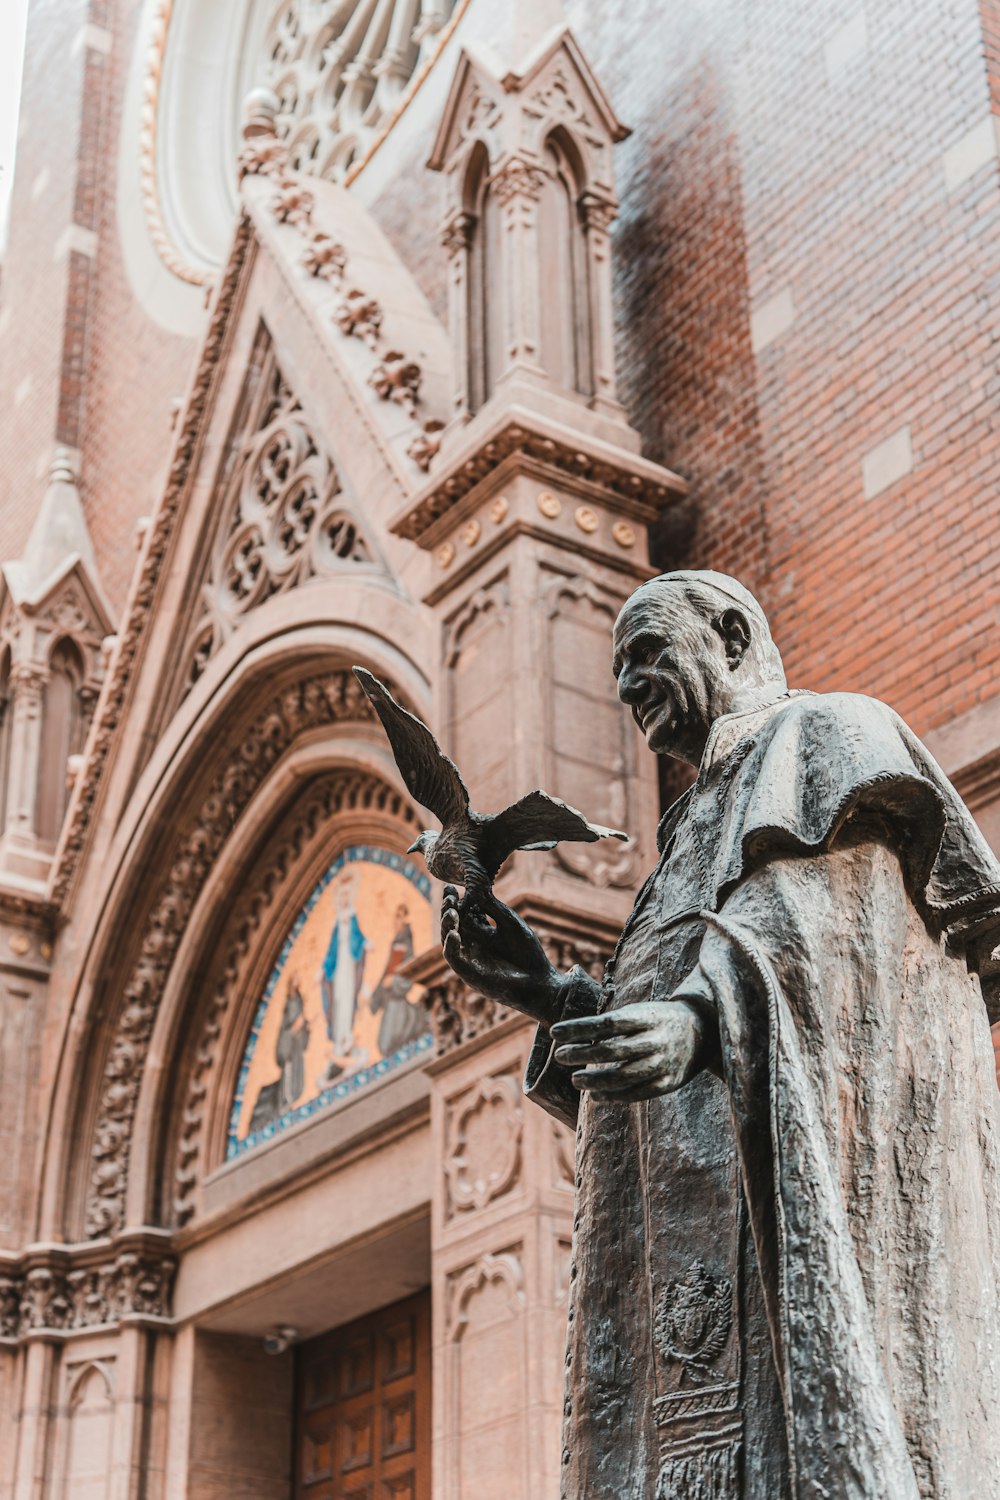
(786,1274)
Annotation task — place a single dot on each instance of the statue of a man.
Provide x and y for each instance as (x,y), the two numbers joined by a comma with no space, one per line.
(786,1277)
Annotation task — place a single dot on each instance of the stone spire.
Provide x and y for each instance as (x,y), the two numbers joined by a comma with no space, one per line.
(60,533)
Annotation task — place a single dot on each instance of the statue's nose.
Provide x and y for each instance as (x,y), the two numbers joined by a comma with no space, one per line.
(632,686)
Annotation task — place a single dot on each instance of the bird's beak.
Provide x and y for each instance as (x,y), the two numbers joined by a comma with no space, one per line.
(414,847)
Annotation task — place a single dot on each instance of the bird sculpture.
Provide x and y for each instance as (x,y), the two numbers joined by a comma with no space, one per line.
(472,846)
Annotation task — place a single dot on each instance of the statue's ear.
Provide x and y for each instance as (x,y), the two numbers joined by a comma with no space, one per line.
(734,629)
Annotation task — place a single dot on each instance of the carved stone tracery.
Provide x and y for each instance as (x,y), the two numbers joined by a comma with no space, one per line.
(321,700)
(283,517)
(340,71)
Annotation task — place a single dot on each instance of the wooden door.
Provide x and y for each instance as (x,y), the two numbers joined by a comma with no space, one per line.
(363,1408)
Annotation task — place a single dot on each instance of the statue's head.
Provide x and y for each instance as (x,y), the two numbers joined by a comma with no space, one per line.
(688,647)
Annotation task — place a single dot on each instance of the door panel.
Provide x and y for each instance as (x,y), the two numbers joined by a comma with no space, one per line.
(363,1408)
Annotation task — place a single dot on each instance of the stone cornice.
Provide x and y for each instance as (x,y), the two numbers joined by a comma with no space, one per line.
(639,488)
(56,1292)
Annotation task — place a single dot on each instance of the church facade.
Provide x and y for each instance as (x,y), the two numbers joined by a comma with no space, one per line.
(415,334)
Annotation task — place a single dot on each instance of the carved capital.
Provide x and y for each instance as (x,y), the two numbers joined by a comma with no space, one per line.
(458,1014)
(598,213)
(517,179)
(457,233)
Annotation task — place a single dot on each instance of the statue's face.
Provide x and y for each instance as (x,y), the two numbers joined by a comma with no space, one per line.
(672,672)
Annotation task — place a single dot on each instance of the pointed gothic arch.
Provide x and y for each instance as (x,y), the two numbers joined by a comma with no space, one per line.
(286,712)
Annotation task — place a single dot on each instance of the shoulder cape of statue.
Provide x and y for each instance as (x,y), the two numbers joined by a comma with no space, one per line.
(821,760)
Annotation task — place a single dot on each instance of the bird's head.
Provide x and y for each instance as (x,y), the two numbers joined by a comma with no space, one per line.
(424,844)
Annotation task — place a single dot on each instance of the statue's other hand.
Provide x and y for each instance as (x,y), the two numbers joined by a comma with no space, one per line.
(638,1052)
(497,954)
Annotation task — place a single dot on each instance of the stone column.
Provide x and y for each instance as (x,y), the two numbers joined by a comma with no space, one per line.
(518,185)
(457,240)
(27,690)
(34,1421)
(598,214)
(501,1234)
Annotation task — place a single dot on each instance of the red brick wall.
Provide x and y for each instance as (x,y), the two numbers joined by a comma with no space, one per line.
(34,292)
(896,283)
(764,160)
(136,369)
(81,363)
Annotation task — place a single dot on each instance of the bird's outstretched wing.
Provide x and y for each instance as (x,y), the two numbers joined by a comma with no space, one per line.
(432,778)
(539,821)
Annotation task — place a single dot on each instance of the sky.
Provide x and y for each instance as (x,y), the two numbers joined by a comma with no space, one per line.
(13,14)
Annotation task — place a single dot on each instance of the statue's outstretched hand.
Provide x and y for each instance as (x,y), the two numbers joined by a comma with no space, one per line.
(498,955)
(637,1052)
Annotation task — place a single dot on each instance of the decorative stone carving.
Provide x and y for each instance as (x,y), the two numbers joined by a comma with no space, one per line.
(396,378)
(533,146)
(10,1306)
(282,516)
(517,178)
(504,1271)
(425,446)
(458,1014)
(347,790)
(341,71)
(563,1151)
(293,204)
(317,701)
(154,550)
(63,1296)
(324,257)
(359,315)
(483,1150)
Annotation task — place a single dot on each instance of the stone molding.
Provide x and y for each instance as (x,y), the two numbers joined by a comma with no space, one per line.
(56,1291)
(320,700)
(393,376)
(155,546)
(636,487)
(356,792)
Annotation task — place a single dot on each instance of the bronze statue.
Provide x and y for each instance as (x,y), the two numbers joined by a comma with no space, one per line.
(471,846)
(787,1245)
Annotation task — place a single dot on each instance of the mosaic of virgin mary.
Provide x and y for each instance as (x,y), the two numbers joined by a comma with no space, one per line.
(337,1012)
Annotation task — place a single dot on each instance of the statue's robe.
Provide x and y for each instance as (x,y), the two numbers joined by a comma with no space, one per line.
(786,1276)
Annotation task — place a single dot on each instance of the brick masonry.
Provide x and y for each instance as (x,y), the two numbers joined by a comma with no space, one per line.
(807,262)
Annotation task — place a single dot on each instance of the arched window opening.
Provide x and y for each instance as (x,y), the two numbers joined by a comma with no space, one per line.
(565,302)
(483,311)
(62,735)
(6,723)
